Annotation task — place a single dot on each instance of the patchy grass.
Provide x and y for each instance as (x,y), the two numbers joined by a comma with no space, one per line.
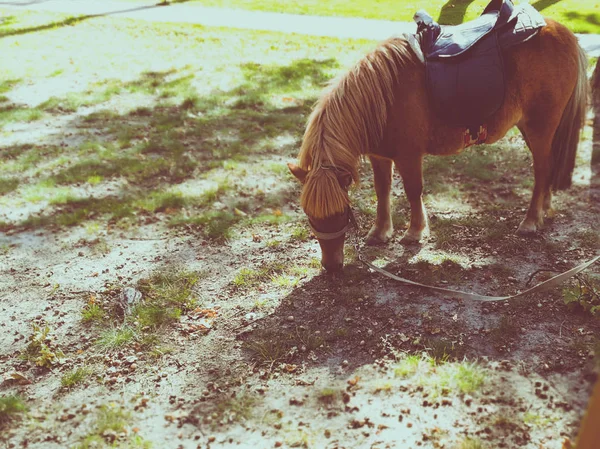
(274,273)
(214,225)
(187,122)
(116,338)
(273,347)
(441,376)
(226,410)
(11,408)
(112,428)
(167,293)
(74,377)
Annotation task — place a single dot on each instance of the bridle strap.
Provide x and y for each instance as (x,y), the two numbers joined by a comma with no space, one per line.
(328,235)
(334,235)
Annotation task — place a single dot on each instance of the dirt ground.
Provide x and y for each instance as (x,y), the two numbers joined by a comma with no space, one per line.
(316,365)
(240,341)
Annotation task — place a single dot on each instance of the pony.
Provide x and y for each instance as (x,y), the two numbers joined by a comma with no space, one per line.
(380,110)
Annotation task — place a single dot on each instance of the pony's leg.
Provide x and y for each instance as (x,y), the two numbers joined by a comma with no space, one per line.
(411,171)
(383,228)
(548,209)
(540,143)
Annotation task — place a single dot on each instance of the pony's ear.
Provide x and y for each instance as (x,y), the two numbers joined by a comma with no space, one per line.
(298,172)
(345,179)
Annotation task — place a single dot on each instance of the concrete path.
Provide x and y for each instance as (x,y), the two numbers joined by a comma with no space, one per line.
(342,27)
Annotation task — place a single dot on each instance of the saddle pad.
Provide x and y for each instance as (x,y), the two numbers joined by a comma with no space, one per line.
(465,90)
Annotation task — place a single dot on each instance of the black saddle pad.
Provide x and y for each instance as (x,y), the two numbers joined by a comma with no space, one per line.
(468,88)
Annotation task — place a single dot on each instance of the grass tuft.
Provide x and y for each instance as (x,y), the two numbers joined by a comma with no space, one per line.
(11,407)
(74,377)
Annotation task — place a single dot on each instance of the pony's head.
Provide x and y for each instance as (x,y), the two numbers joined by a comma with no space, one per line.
(325,201)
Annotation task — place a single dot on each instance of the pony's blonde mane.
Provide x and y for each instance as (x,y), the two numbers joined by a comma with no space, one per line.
(348,122)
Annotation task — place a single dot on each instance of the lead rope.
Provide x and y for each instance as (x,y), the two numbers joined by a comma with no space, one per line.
(552,282)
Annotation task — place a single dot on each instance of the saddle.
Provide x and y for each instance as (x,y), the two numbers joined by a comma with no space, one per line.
(466,82)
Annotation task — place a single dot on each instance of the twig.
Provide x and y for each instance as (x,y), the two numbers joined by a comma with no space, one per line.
(536,272)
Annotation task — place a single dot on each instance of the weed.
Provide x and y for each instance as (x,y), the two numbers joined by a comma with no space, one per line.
(41,349)
(584,291)
(93,314)
(74,377)
(11,407)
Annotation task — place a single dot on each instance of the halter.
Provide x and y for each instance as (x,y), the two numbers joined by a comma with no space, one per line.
(334,235)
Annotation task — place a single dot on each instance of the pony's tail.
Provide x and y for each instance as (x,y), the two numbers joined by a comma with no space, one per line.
(566,137)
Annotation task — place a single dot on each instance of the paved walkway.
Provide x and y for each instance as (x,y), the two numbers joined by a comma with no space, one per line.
(342,27)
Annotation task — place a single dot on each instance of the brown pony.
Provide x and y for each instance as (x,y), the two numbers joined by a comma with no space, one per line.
(380,110)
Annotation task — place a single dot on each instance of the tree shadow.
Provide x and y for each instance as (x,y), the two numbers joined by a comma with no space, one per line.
(540,5)
(174,142)
(66,22)
(454,12)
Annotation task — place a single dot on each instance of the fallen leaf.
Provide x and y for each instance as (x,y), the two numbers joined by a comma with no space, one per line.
(17,377)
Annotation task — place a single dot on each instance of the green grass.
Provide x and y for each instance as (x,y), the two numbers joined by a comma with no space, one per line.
(275,273)
(581,15)
(11,407)
(407,366)
(441,376)
(74,377)
(167,294)
(93,314)
(116,338)
(112,420)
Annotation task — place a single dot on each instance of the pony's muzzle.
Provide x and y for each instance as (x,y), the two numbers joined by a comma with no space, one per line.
(335,267)
(332,254)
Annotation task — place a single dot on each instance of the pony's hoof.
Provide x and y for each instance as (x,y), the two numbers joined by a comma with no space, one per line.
(411,237)
(527,228)
(376,237)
